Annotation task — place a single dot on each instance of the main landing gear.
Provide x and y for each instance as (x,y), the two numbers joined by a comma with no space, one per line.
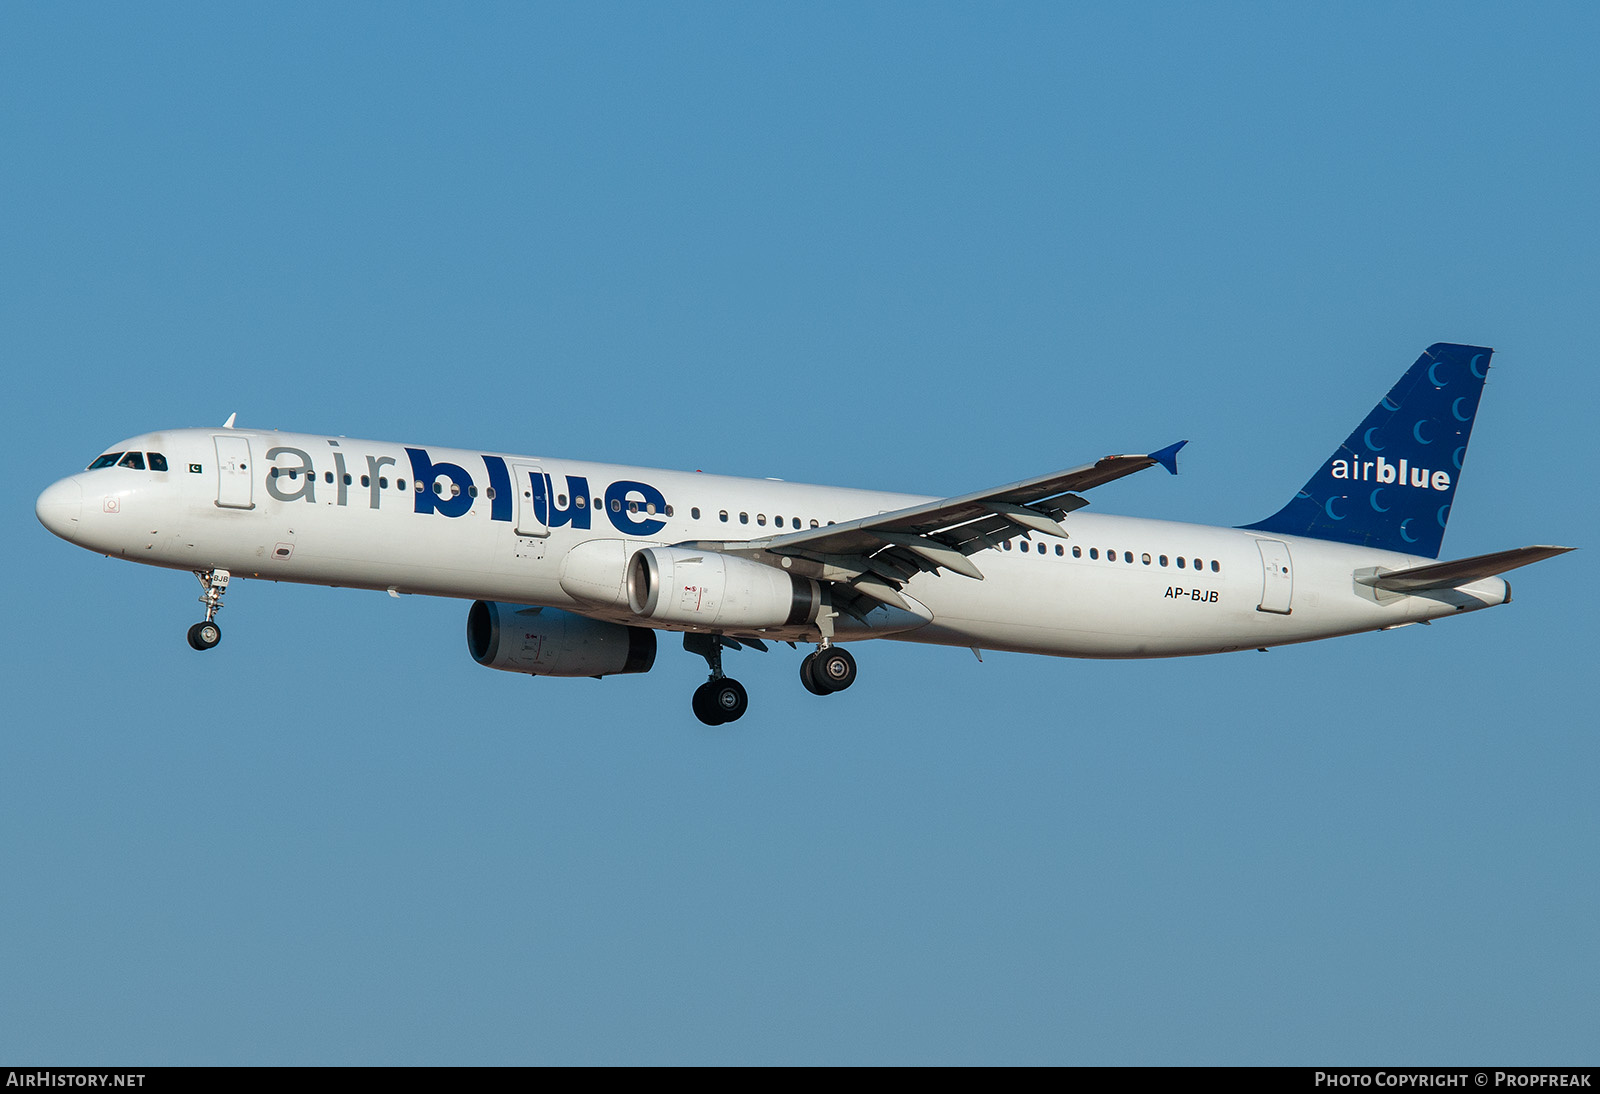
(721,698)
(204,635)
(828,670)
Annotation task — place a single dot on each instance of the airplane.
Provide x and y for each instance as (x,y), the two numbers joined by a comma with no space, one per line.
(573,566)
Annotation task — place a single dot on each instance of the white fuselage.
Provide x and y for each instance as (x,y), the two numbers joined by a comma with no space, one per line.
(334,511)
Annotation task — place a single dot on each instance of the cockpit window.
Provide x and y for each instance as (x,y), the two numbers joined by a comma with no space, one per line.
(105,461)
(134,460)
(158,462)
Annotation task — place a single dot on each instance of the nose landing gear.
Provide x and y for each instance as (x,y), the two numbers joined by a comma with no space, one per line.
(204,635)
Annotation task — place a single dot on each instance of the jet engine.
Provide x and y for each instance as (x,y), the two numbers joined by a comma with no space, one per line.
(551,642)
(713,590)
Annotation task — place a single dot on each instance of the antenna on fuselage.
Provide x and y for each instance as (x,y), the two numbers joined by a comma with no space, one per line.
(229,423)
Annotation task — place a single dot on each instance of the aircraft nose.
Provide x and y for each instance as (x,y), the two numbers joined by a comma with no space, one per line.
(60,507)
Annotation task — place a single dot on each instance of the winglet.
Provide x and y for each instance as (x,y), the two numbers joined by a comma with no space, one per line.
(1168,457)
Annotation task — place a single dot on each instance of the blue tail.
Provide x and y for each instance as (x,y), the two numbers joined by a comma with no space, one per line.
(1391,483)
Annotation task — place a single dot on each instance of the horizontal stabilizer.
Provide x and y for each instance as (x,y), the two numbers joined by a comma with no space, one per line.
(1462,571)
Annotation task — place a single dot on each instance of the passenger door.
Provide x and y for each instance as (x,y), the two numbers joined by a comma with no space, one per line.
(234,479)
(1277,577)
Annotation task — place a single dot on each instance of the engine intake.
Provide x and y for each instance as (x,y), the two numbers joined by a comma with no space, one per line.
(713,590)
(551,642)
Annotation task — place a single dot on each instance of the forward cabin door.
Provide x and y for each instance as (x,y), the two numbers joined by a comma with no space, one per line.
(1277,576)
(234,489)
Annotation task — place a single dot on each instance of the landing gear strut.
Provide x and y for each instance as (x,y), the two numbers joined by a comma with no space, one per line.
(204,635)
(828,670)
(722,698)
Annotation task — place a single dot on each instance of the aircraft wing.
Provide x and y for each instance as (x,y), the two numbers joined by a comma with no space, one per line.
(877,554)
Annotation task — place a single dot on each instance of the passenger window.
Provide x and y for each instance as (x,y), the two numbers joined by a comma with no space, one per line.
(1007,545)
(1077,552)
(133,460)
(694,513)
(669,510)
(488,492)
(1214,567)
(795,521)
(616,505)
(1094,552)
(650,507)
(365,481)
(1163,560)
(778,521)
(633,507)
(813,524)
(472,491)
(723,516)
(347,479)
(1197,565)
(583,502)
(399,484)
(1060,551)
(1127,556)
(744,518)
(383,482)
(108,460)
(1145,558)
(761,519)
(158,462)
(1180,562)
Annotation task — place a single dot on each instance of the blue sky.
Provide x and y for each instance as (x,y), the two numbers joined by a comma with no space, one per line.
(923,248)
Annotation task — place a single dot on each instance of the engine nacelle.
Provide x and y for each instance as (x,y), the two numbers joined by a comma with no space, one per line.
(551,642)
(717,591)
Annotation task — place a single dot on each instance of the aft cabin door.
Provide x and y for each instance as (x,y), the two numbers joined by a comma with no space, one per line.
(1277,576)
(233,473)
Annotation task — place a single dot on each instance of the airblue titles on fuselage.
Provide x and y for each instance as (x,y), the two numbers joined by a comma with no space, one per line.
(630,505)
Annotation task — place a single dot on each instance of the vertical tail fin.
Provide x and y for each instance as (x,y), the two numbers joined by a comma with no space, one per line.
(1392,482)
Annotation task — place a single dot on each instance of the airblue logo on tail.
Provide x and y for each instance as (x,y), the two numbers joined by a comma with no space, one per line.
(1392,482)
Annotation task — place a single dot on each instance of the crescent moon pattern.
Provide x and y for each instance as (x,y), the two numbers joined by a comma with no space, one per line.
(1327,507)
(1416,431)
(1455,410)
(1455,458)
(1474,366)
(1436,381)
(1367,437)
(1444,513)
(1405,535)
(1387,405)
(1374,500)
